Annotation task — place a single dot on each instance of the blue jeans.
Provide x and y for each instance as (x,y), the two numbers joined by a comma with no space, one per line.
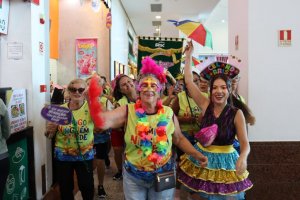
(137,189)
(238,196)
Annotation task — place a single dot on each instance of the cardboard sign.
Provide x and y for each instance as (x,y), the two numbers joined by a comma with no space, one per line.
(57,114)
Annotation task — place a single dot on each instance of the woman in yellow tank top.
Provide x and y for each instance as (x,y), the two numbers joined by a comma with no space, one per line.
(151,130)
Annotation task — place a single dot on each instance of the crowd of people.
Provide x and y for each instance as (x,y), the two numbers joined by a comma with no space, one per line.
(192,125)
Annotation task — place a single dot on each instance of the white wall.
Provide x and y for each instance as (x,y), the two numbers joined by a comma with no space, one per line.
(29,72)
(274,71)
(238,26)
(119,35)
(40,76)
(218,29)
(76,21)
(18,69)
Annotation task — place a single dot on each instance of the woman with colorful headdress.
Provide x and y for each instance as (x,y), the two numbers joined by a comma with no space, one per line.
(226,174)
(151,130)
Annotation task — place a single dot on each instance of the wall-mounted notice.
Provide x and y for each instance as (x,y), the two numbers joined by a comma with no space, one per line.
(285,38)
(15,50)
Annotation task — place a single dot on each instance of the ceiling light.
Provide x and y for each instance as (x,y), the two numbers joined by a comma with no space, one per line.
(157,29)
(223,21)
(158,17)
(156,7)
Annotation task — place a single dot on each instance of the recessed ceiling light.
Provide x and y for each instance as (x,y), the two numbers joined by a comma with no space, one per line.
(158,17)
(223,21)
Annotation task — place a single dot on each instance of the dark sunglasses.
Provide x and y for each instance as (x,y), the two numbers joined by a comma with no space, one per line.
(74,90)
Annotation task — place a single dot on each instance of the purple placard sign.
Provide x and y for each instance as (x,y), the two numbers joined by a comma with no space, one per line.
(57,114)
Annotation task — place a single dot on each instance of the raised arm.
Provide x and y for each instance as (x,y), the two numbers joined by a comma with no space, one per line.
(240,125)
(113,119)
(201,100)
(103,119)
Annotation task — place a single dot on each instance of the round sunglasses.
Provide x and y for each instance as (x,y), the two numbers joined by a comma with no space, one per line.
(74,90)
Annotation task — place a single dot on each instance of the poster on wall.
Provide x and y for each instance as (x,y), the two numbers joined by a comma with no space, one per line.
(4,13)
(16,106)
(86,57)
(164,51)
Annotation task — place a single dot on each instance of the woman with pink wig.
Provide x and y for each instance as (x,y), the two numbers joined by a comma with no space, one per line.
(150,131)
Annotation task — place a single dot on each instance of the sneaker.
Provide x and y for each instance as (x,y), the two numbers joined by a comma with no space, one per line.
(118,176)
(101,192)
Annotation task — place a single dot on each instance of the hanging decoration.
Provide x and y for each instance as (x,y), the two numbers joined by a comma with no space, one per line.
(194,30)
(165,51)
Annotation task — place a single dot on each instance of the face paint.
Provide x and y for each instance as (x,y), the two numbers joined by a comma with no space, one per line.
(149,84)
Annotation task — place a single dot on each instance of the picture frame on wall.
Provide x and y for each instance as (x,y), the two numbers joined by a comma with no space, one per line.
(119,68)
(86,56)
(116,68)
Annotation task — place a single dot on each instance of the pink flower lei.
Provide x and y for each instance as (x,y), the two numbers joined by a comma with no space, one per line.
(153,151)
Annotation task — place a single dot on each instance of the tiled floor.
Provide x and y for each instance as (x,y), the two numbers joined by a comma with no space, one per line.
(114,189)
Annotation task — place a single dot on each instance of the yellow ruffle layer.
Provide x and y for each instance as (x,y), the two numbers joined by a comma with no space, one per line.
(217,176)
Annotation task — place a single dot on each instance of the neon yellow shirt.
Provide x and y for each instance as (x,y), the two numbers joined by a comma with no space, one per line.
(123,101)
(66,147)
(133,152)
(185,111)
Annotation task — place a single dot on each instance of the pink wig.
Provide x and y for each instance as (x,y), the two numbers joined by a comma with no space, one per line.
(149,66)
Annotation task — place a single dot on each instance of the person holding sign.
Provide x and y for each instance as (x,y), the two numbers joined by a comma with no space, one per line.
(150,131)
(74,144)
(4,134)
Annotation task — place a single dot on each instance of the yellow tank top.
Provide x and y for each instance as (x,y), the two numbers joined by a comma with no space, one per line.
(66,144)
(185,111)
(133,152)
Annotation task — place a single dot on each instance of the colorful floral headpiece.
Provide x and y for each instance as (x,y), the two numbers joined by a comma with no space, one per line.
(220,64)
(149,66)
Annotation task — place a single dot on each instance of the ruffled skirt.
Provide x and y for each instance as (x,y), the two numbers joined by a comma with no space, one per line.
(219,177)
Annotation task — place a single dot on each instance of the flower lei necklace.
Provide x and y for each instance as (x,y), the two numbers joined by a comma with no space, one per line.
(153,151)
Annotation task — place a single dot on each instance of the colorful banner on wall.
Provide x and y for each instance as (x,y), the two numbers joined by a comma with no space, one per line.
(86,57)
(165,51)
(4,13)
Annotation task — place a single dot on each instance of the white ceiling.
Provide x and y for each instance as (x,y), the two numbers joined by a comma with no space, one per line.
(141,17)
